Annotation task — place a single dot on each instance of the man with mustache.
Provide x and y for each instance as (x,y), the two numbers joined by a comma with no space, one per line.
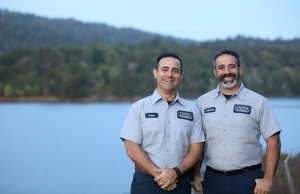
(163,134)
(233,119)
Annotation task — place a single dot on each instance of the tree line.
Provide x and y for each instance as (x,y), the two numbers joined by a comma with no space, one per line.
(102,70)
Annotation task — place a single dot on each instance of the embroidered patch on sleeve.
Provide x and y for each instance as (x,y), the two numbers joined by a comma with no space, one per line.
(151,115)
(244,109)
(209,110)
(185,115)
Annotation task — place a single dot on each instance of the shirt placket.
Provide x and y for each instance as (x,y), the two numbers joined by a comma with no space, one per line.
(224,124)
(167,136)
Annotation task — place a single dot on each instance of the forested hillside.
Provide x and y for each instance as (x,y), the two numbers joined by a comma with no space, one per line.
(26,31)
(70,60)
(271,68)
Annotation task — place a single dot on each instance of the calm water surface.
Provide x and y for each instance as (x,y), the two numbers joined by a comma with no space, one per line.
(69,148)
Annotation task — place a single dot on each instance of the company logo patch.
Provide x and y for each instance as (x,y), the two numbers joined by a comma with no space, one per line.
(244,109)
(209,110)
(185,115)
(151,115)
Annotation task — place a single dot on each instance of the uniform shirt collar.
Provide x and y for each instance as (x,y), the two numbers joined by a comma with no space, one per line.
(241,93)
(156,97)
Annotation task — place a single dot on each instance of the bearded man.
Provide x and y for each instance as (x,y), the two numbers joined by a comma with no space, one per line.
(233,119)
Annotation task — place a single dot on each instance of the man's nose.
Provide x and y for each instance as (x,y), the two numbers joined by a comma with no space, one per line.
(226,70)
(170,73)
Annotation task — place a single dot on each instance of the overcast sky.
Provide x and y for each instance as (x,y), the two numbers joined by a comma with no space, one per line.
(192,19)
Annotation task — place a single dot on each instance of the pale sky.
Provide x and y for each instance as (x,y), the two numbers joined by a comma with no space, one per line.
(191,19)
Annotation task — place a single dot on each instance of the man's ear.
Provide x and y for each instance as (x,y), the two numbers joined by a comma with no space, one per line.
(155,73)
(181,75)
(215,72)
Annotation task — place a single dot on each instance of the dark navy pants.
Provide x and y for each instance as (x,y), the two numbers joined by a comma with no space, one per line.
(235,184)
(144,184)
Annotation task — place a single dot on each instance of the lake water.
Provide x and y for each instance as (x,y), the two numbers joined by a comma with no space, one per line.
(74,148)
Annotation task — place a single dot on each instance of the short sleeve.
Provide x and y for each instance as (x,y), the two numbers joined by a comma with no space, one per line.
(132,126)
(197,134)
(268,123)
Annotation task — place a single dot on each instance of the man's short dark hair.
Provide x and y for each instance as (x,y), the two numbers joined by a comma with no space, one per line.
(164,55)
(228,52)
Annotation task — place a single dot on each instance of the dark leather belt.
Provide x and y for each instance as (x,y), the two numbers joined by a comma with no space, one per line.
(233,172)
(185,174)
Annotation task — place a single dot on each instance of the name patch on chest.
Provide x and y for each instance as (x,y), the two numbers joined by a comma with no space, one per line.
(151,115)
(185,115)
(244,109)
(209,110)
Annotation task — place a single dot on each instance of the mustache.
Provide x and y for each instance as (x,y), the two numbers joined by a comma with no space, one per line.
(227,75)
(167,78)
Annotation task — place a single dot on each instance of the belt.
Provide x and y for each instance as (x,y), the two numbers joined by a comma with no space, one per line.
(233,172)
(185,174)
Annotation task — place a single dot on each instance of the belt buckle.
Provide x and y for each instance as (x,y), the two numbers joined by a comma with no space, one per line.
(224,172)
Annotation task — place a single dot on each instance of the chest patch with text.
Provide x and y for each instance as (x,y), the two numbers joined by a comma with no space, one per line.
(151,115)
(244,109)
(209,110)
(185,115)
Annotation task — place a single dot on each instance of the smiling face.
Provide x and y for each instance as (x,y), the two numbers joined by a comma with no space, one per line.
(168,75)
(227,72)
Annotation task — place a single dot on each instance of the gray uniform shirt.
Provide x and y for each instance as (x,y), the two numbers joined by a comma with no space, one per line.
(233,128)
(164,131)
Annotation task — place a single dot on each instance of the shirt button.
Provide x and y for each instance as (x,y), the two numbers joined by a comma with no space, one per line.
(224,115)
(167,150)
(224,129)
(166,165)
(223,144)
(168,135)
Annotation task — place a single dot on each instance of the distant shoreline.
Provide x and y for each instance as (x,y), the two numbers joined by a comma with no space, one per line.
(55,99)
(95,98)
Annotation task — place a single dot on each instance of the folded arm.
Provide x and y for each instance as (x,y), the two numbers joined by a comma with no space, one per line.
(140,158)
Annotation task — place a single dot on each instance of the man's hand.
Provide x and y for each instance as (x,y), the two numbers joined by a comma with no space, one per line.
(166,178)
(263,186)
(195,184)
(172,186)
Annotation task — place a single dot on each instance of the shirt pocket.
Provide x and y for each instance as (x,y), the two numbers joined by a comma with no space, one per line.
(210,123)
(244,127)
(182,131)
(152,130)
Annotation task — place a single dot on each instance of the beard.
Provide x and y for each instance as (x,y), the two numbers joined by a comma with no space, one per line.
(229,84)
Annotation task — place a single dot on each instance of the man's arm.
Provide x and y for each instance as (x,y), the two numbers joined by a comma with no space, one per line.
(272,157)
(198,178)
(193,155)
(168,176)
(140,158)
